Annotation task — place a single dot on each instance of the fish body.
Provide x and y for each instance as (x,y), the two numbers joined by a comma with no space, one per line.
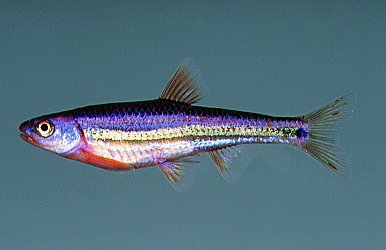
(142,134)
(165,131)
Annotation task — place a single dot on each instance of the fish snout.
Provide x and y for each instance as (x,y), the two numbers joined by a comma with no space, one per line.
(24,128)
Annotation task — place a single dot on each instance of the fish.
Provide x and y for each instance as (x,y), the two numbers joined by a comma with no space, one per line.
(169,132)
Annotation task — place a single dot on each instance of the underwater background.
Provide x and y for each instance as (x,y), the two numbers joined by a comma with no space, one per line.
(273,58)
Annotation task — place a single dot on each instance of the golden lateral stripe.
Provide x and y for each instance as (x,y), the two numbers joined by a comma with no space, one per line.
(185,131)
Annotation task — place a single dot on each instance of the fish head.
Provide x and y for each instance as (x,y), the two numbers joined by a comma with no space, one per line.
(56,133)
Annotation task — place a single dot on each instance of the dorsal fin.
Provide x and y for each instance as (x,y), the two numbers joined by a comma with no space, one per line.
(184,84)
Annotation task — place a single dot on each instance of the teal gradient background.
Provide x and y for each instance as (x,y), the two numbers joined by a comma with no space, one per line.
(273,58)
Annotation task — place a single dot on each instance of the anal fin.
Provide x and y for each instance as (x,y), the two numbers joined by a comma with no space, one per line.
(231,162)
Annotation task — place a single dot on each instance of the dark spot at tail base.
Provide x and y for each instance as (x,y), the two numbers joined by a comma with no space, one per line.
(301,133)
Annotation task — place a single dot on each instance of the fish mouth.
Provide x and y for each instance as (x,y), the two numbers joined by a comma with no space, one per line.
(27,138)
(23,134)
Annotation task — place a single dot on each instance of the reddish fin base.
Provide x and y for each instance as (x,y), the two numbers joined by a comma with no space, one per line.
(88,157)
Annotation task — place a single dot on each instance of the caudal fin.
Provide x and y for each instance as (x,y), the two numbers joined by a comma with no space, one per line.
(324,124)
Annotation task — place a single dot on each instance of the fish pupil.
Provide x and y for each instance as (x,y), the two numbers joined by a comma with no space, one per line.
(44,127)
(301,133)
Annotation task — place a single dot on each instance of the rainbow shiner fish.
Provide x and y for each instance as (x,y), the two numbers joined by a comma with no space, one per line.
(168,131)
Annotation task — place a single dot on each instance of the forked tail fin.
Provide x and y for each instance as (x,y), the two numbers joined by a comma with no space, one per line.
(324,124)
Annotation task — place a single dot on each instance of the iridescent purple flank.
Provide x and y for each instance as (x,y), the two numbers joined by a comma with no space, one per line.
(168,114)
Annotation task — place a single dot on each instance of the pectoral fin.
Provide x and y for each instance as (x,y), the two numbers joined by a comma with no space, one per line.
(98,161)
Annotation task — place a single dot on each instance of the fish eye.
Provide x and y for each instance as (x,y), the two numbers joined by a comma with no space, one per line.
(45,128)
